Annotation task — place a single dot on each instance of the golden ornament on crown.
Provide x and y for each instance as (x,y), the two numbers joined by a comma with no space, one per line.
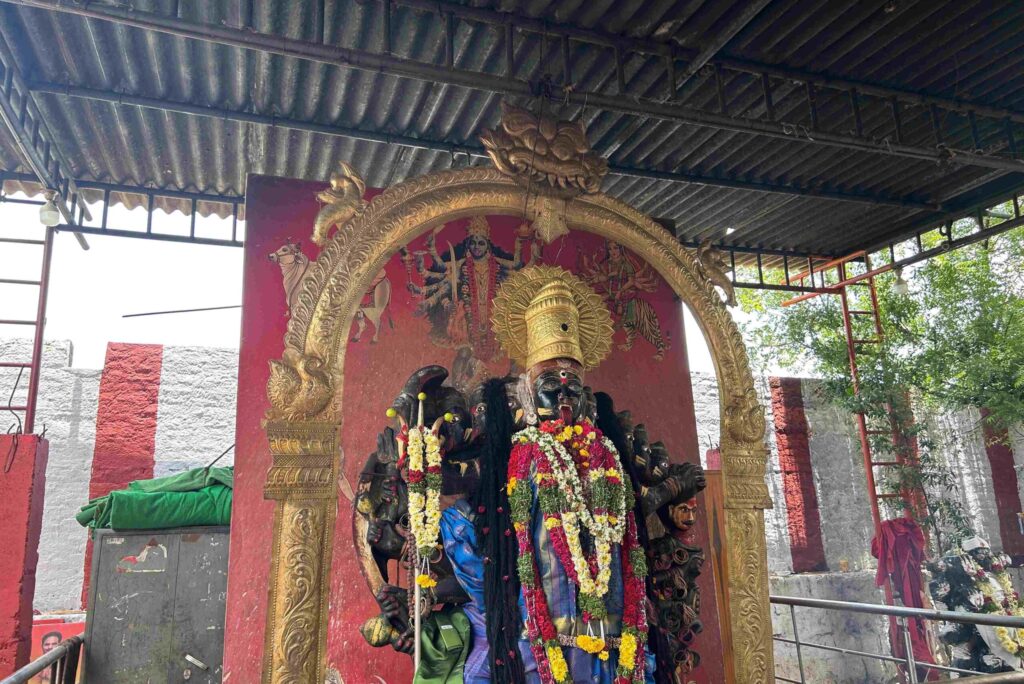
(478,227)
(545,312)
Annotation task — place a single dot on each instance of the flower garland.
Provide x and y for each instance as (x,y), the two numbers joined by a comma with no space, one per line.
(424,489)
(556,455)
(1008,604)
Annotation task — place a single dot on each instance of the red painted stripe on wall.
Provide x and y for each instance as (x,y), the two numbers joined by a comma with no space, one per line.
(125,424)
(804,519)
(1004,485)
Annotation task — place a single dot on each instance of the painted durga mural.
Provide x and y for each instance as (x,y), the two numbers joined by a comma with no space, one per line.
(525,501)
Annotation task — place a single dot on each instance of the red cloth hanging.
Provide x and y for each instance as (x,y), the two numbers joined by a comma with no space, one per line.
(900,550)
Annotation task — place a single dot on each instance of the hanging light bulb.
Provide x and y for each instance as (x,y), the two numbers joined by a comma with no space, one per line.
(900,287)
(49,215)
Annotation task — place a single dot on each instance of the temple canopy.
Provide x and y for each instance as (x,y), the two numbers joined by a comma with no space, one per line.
(792,126)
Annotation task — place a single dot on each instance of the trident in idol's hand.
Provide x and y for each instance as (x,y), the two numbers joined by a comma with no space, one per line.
(419,448)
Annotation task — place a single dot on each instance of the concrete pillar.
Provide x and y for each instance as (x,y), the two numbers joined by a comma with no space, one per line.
(804,519)
(125,424)
(22,484)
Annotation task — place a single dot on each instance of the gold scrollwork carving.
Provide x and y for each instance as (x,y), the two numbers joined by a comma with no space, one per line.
(342,201)
(306,388)
(747,421)
(299,387)
(552,156)
(712,265)
(297,601)
(748,596)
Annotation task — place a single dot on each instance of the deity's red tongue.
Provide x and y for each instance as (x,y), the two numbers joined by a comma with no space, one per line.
(565,413)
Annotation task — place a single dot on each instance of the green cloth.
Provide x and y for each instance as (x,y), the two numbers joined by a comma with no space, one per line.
(187,481)
(444,647)
(201,496)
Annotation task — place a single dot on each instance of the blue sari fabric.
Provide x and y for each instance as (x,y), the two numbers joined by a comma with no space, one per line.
(459,536)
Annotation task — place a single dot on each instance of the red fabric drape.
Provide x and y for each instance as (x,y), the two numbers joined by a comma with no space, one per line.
(900,550)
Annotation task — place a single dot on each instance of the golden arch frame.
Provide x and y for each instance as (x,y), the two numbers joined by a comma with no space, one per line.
(305,392)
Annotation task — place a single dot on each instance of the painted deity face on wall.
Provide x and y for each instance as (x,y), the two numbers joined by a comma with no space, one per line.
(559,393)
(478,246)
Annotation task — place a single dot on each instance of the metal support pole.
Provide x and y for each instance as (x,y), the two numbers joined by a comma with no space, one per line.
(908,648)
(37,342)
(796,638)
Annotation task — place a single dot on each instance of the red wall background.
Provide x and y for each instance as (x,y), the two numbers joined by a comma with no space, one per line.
(656,390)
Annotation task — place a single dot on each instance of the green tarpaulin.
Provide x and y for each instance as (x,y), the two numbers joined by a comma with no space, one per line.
(195,497)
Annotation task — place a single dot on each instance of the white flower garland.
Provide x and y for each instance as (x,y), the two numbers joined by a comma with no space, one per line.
(424,494)
(605,529)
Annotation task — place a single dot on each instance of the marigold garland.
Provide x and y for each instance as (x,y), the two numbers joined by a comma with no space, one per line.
(569,465)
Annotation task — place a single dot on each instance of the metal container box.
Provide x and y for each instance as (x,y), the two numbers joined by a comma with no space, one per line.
(156,606)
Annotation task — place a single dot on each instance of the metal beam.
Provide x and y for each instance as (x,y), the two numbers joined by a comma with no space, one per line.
(750,10)
(35,143)
(129,189)
(507,85)
(949,245)
(452,147)
(159,237)
(676,53)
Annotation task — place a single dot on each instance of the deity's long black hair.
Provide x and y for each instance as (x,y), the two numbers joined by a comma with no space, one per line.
(609,424)
(496,540)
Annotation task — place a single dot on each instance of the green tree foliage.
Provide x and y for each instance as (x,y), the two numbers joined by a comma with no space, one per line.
(955,341)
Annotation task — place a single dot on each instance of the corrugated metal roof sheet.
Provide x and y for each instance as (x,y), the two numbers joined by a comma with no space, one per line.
(971,50)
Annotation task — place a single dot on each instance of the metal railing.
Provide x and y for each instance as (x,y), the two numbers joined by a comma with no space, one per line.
(902,615)
(62,662)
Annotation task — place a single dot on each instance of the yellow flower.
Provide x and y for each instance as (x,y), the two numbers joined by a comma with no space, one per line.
(551,523)
(590,644)
(603,655)
(519,526)
(591,436)
(578,429)
(511,485)
(523,440)
(426,581)
(584,452)
(612,519)
(559,668)
(627,651)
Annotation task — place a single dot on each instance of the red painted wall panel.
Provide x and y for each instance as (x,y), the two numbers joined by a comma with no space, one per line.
(21,510)
(125,424)
(1004,485)
(791,432)
(656,390)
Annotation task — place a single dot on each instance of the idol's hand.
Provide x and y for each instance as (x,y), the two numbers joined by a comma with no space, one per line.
(405,643)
